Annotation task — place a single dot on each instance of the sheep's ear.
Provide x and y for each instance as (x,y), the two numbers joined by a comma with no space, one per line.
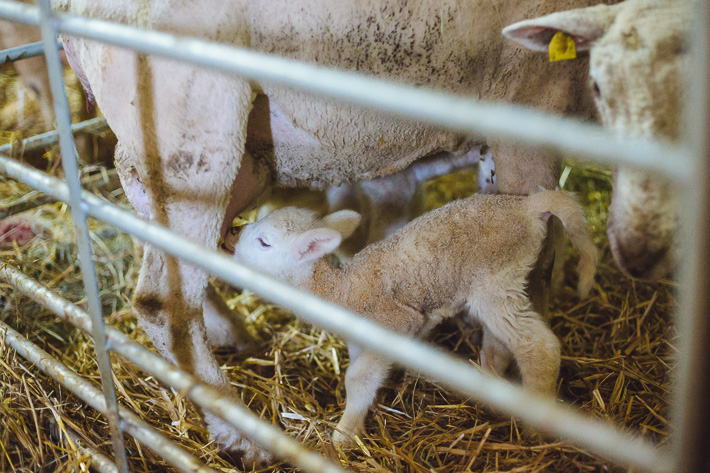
(585,25)
(264,211)
(343,221)
(315,243)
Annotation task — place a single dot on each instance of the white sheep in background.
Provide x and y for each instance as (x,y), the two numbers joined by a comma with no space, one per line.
(472,254)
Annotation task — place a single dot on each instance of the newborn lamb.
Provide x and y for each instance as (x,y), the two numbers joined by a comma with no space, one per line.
(473,253)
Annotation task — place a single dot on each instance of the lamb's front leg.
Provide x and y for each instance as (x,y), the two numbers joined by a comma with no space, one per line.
(224,326)
(364,377)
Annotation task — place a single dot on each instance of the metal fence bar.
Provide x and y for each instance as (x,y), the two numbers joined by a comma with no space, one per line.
(95,125)
(88,271)
(23,52)
(691,412)
(91,395)
(99,461)
(492,120)
(204,395)
(545,414)
(34,199)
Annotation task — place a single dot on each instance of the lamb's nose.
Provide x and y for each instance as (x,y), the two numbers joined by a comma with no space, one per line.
(231,238)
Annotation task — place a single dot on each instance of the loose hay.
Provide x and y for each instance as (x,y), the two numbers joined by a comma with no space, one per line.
(617,351)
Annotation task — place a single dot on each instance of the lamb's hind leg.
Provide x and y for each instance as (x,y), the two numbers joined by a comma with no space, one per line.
(495,355)
(512,320)
(525,170)
(364,377)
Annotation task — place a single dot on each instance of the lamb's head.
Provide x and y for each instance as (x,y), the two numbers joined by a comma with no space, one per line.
(287,242)
(637,58)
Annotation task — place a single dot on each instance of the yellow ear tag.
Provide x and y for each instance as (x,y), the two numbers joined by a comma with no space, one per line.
(562,47)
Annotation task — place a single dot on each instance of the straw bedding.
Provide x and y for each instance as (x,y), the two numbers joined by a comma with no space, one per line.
(618,355)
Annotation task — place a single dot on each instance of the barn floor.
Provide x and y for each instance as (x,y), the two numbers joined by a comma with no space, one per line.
(618,355)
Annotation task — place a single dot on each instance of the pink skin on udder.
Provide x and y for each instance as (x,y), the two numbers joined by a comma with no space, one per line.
(250,183)
(71,58)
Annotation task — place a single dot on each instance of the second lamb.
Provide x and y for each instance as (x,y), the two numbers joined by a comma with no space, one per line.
(473,254)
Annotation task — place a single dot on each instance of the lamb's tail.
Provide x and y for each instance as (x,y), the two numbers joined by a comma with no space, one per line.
(563,206)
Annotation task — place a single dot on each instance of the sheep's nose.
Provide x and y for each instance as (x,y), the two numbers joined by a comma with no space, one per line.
(231,238)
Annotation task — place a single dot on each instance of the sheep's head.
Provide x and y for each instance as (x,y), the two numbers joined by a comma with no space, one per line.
(287,242)
(637,57)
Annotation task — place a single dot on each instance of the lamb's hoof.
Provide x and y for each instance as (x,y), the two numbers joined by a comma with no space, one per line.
(235,443)
(242,343)
(531,435)
(234,338)
(248,453)
(247,344)
(342,439)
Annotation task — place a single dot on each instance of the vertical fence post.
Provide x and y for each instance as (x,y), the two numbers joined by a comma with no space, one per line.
(692,380)
(66,145)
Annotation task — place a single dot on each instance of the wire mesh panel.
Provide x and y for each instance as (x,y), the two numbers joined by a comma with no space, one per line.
(471,116)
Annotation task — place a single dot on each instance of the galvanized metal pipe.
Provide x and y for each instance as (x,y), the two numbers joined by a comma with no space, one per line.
(132,424)
(99,461)
(94,125)
(23,52)
(205,396)
(690,408)
(81,230)
(488,119)
(545,414)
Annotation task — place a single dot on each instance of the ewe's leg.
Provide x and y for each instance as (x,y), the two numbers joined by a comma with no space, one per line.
(168,302)
(524,170)
(487,179)
(495,355)
(536,349)
(385,204)
(392,199)
(342,197)
(362,380)
(389,204)
(186,150)
(224,326)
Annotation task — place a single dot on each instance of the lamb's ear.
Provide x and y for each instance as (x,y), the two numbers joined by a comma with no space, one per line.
(585,25)
(315,243)
(264,211)
(343,221)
